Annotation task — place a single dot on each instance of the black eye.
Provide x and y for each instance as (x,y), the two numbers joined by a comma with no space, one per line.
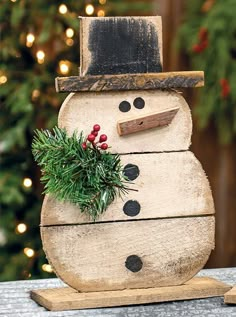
(139,103)
(124,106)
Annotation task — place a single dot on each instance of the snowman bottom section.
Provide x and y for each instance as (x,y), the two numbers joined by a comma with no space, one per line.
(129,254)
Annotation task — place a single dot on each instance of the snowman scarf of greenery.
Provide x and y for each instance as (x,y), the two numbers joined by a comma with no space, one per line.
(79,169)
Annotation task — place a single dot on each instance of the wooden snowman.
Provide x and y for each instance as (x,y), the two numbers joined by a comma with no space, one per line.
(162,234)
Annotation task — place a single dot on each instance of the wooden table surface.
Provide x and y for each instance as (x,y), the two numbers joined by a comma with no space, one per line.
(15,301)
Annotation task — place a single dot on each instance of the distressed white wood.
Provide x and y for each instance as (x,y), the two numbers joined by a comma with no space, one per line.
(169,185)
(92,257)
(80,111)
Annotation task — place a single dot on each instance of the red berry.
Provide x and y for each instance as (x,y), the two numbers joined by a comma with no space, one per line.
(203,34)
(91,137)
(204,44)
(94,133)
(196,48)
(84,145)
(102,138)
(96,127)
(225,88)
(104,146)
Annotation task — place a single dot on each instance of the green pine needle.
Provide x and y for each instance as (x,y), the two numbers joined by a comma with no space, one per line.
(90,178)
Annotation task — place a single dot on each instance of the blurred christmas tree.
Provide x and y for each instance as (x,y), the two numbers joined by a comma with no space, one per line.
(208,36)
(39,41)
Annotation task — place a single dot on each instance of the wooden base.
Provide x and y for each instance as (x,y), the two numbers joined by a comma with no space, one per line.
(230,297)
(66,298)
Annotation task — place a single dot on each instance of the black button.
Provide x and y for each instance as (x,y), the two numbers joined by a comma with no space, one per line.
(131,171)
(124,106)
(132,208)
(139,103)
(134,263)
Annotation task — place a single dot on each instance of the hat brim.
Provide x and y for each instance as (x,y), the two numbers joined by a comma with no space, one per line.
(144,81)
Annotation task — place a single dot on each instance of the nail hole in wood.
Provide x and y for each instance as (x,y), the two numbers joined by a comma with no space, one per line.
(124,106)
(132,208)
(134,263)
(139,103)
(131,171)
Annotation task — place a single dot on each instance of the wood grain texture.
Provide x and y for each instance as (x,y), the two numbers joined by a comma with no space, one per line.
(169,185)
(92,257)
(148,81)
(114,45)
(141,123)
(230,296)
(67,298)
(80,111)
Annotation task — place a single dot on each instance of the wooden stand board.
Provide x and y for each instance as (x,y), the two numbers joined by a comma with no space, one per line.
(67,298)
(230,297)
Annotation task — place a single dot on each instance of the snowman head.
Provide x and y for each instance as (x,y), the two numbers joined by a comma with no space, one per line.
(133,121)
(118,87)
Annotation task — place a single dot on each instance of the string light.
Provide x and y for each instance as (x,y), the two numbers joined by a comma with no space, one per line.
(69,42)
(47,268)
(102,1)
(89,9)
(3,238)
(29,252)
(27,182)
(30,38)
(40,56)
(70,32)
(35,94)
(101,13)
(62,9)
(3,79)
(64,67)
(21,228)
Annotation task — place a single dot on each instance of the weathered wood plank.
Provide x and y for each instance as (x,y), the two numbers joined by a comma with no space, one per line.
(80,111)
(67,298)
(230,297)
(116,45)
(168,184)
(141,123)
(98,257)
(130,81)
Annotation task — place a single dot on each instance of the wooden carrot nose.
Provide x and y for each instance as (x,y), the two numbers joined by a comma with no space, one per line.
(141,123)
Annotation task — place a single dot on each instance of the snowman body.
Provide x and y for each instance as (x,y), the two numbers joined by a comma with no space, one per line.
(159,235)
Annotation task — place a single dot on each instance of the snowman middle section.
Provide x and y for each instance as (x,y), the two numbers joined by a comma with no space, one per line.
(160,235)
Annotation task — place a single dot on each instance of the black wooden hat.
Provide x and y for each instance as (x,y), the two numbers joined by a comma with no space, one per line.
(123,53)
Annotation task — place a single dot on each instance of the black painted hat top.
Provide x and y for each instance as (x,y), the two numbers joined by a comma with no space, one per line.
(122,46)
(124,53)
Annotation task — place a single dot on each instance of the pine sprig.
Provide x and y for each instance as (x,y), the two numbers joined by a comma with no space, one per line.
(86,176)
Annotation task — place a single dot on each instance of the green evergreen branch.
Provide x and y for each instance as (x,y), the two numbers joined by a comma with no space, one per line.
(217,59)
(90,178)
